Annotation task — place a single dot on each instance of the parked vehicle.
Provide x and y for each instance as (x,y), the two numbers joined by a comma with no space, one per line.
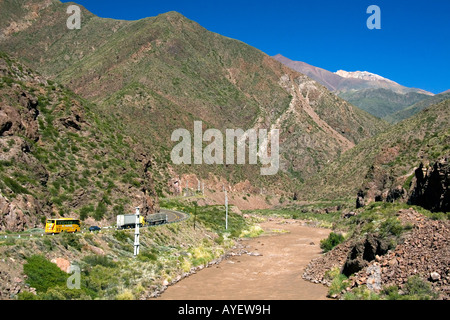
(94,228)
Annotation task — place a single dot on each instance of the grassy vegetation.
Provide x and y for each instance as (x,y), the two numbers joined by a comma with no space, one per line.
(382,103)
(377,218)
(333,240)
(212,217)
(415,288)
(338,282)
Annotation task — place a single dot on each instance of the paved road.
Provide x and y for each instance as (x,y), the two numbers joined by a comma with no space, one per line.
(175,216)
(172,215)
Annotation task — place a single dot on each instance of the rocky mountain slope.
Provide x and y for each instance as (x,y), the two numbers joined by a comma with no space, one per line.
(375,94)
(58,158)
(383,103)
(159,74)
(380,165)
(417,107)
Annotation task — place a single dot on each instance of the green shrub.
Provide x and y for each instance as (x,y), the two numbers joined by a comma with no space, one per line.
(339,283)
(42,274)
(26,295)
(101,278)
(14,186)
(85,211)
(415,289)
(392,226)
(333,240)
(71,240)
(121,236)
(100,211)
(391,293)
(418,289)
(361,293)
(95,260)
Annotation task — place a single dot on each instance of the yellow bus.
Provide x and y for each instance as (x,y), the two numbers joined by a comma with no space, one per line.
(62,225)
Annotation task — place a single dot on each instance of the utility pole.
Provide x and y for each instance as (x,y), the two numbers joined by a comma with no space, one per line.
(187,188)
(195,212)
(226,210)
(136,233)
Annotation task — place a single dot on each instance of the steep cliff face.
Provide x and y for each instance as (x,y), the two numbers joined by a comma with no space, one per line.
(428,187)
(59,159)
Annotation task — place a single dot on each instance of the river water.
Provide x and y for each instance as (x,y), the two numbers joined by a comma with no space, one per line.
(273,271)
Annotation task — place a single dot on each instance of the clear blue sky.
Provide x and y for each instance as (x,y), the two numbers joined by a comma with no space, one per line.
(412,47)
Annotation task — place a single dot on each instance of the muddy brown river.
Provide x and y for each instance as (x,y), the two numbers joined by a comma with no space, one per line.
(286,248)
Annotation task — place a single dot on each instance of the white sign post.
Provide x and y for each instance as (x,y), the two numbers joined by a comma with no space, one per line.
(136,233)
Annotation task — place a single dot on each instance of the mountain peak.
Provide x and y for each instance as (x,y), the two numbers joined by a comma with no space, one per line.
(364,75)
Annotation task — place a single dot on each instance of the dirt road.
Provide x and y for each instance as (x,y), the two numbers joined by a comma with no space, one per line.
(275,274)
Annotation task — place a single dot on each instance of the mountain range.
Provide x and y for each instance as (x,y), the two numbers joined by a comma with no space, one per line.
(373,93)
(161,73)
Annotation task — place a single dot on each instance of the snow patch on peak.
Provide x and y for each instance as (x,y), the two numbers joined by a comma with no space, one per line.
(364,75)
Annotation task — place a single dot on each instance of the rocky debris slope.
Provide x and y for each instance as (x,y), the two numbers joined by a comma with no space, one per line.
(317,268)
(425,252)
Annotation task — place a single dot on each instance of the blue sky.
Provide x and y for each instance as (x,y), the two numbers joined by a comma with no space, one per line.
(412,47)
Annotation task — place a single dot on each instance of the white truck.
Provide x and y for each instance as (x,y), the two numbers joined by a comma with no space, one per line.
(128,221)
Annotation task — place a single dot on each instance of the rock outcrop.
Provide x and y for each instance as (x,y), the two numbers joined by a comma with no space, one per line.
(430,188)
(16,215)
(363,252)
